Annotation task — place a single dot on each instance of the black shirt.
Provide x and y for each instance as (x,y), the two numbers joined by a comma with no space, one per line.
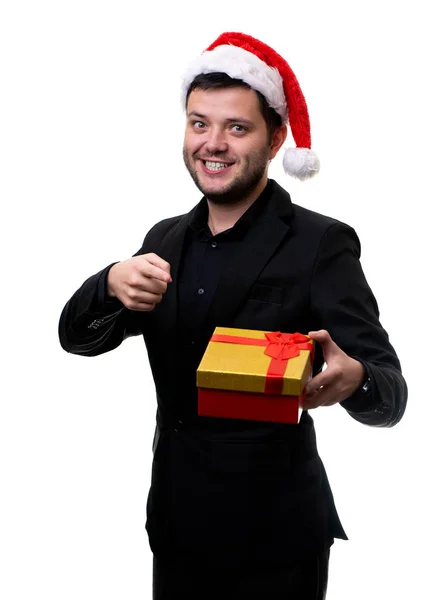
(204,257)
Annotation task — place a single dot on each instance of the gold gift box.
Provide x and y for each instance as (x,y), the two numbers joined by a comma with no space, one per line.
(243,367)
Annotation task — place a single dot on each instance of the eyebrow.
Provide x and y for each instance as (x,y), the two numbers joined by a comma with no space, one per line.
(240,120)
(196,114)
(230,120)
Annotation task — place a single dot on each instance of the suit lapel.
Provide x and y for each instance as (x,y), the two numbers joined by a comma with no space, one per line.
(171,250)
(260,243)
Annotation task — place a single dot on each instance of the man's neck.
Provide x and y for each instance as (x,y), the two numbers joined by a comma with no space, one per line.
(222,217)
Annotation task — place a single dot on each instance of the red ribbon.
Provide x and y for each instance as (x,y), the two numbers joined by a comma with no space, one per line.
(280,347)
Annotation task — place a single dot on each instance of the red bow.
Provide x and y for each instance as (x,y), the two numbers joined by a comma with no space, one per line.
(284,346)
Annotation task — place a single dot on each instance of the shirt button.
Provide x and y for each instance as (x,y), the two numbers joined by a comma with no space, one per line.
(201,291)
(214,244)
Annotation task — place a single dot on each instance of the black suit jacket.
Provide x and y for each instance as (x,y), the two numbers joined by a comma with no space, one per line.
(248,491)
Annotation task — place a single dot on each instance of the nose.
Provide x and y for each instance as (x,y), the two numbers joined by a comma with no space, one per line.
(216,142)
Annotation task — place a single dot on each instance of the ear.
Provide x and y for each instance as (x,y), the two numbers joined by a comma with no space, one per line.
(278,139)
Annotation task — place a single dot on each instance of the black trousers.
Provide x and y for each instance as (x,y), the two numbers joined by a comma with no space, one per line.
(304,580)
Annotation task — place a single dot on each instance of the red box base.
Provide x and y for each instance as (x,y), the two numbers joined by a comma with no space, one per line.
(250,406)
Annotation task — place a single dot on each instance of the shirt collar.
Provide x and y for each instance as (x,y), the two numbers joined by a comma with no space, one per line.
(199,220)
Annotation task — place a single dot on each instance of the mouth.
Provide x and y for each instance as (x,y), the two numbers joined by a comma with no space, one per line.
(215,167)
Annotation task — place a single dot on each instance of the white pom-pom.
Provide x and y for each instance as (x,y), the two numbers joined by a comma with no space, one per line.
(301,163)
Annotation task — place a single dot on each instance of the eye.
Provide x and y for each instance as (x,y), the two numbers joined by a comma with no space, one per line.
(198,124)
(238,129)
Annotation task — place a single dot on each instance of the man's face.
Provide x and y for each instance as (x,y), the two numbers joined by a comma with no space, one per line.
(226,148)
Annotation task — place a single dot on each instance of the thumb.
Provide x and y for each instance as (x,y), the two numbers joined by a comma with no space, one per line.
(324,339)
(319,336)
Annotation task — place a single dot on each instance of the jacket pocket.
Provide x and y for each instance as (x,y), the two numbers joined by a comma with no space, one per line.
(262,309)
(266,293)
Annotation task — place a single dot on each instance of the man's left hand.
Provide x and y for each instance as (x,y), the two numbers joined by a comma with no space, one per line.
(341,378)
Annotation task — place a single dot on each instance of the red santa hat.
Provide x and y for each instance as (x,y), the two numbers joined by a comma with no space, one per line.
(243,57)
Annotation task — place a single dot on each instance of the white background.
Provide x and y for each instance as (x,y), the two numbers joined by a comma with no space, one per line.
(91,134)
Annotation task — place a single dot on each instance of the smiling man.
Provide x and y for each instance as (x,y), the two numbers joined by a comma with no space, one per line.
(228,145)
(240,509)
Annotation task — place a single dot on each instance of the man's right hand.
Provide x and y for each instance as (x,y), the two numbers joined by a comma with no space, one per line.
(139,282)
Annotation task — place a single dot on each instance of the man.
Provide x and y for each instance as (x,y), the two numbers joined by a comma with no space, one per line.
(242,509)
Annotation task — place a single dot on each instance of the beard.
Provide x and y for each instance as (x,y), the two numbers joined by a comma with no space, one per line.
(247,180)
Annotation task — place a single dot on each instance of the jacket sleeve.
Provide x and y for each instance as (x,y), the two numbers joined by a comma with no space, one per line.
(89,326)
(343,304)
(93,323)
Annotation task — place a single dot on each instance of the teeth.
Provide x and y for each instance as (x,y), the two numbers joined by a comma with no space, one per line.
(215,166)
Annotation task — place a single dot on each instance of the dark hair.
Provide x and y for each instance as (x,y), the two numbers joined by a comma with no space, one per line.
(211,81)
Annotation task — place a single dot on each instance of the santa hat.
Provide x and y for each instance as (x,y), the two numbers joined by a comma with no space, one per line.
(243,57)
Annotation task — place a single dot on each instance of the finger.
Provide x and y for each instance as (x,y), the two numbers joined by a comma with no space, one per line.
(151,285)
(325,396)
(313,400)
(324,378)
(142,306)
(135,297)
(154,259)
(150,298)
(155,272)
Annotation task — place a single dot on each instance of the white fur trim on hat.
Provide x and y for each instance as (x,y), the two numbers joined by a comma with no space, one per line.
(301,163)
(240,64)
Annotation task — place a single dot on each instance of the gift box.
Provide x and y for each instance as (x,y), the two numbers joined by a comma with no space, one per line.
(254,375)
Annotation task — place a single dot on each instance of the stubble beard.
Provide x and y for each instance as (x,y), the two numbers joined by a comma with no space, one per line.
(241,186)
